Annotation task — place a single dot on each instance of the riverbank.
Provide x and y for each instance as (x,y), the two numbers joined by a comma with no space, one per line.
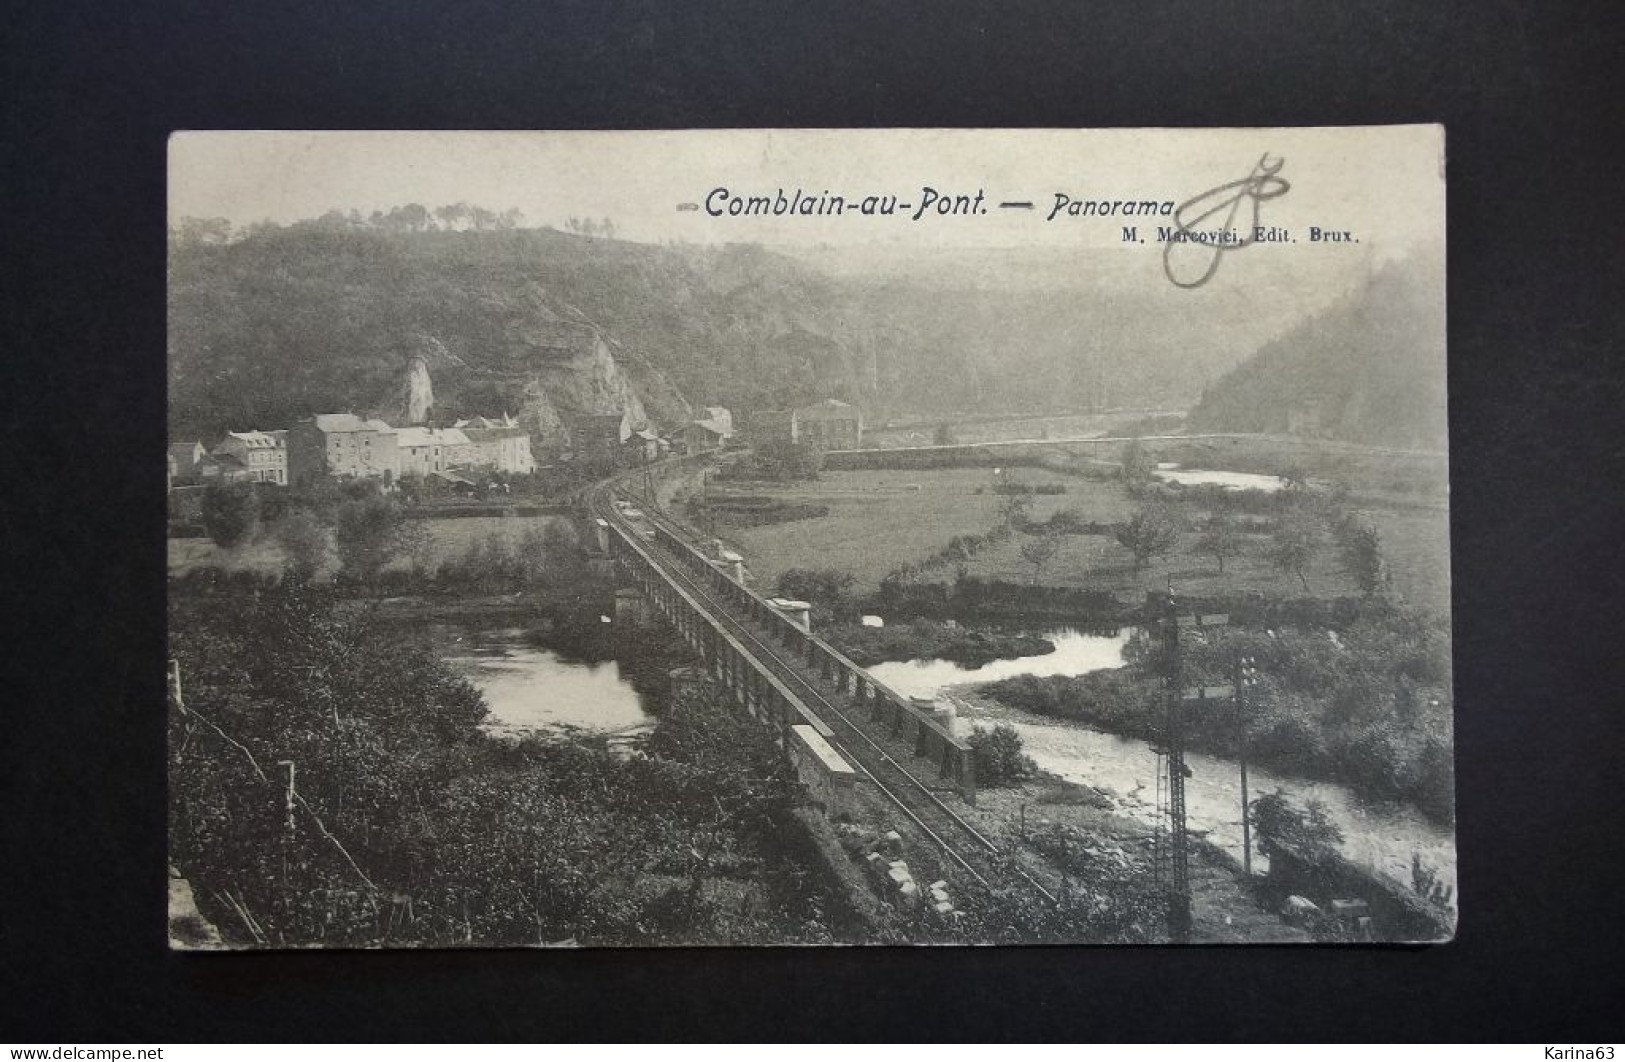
(1358,709)
(1385,839)
(519,608)
(921,639)
(541,842)
(1094,853)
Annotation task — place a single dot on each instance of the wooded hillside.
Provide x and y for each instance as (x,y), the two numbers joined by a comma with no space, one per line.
(1370,369)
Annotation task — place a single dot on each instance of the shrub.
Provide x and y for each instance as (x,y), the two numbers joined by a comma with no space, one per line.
(1304,831)
(828,587)
(1151,532)
(229,512)
(998,757)
(304,542)
(370,534)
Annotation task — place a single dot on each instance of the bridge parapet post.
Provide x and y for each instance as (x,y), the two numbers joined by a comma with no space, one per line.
(631,608)
(877,703)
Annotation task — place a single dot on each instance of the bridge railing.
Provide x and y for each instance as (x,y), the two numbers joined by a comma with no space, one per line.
(929,738)
(770,691)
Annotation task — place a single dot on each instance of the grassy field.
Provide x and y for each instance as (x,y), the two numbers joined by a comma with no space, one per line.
(1416,545)
(882,519)
(187,554)
(1000,429)
(446,538)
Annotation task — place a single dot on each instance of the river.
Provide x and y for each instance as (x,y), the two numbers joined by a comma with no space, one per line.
(1380,837)
(536,690)
(1194,477)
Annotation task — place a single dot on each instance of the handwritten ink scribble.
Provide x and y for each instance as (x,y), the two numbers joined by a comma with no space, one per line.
(1200,244)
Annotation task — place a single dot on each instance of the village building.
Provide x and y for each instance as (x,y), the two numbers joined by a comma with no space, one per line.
(596,438)
(767,426)
(342,445)
(226,468)
(185,462)
(643,446)
(495,443)
(426,451)
(829,425)
(253,456)
(710,432)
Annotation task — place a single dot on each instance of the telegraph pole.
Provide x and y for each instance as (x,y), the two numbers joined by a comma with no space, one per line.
(1246,675)
(287,841)
(1179,880)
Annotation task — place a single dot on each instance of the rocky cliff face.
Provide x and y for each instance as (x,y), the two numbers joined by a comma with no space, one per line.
(417,394)
(307,319)
(577,376)
(552,370)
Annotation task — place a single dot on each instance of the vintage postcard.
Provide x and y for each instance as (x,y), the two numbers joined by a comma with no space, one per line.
(769,537)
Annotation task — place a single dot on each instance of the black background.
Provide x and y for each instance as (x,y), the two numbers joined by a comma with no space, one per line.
(1528,93)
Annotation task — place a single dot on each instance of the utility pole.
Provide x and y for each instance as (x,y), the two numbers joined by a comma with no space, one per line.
(287,842)
(1179,881)
(1246,675)
(175,685)
(1061,900)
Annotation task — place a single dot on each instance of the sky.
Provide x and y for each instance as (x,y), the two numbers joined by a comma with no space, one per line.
(1384,185)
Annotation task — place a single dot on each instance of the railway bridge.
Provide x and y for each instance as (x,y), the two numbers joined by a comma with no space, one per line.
(762,651)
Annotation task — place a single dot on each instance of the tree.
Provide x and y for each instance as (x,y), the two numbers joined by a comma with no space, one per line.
(1069,521)
(452,214)
(944,435)
(1295,480)
(782,459)
(1297,542)
(1040,550)
(998,756)
(1151,532)
(1362,557)
(304,542)
(201,232)
(828,587)
(1427,884)
(1283,826)
(1221,538)
(414,216)
(1138,465)
(1015,510)
(370,533)
(229,512)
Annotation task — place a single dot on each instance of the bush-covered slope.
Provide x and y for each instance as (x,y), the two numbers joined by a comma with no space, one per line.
(1369,369)
(322,316)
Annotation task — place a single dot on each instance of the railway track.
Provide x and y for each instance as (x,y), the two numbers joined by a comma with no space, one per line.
(959,840)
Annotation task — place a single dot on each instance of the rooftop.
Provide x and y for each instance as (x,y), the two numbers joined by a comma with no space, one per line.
(504,421)
(256,440)
(829,407)
(347,422)
(429,437)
